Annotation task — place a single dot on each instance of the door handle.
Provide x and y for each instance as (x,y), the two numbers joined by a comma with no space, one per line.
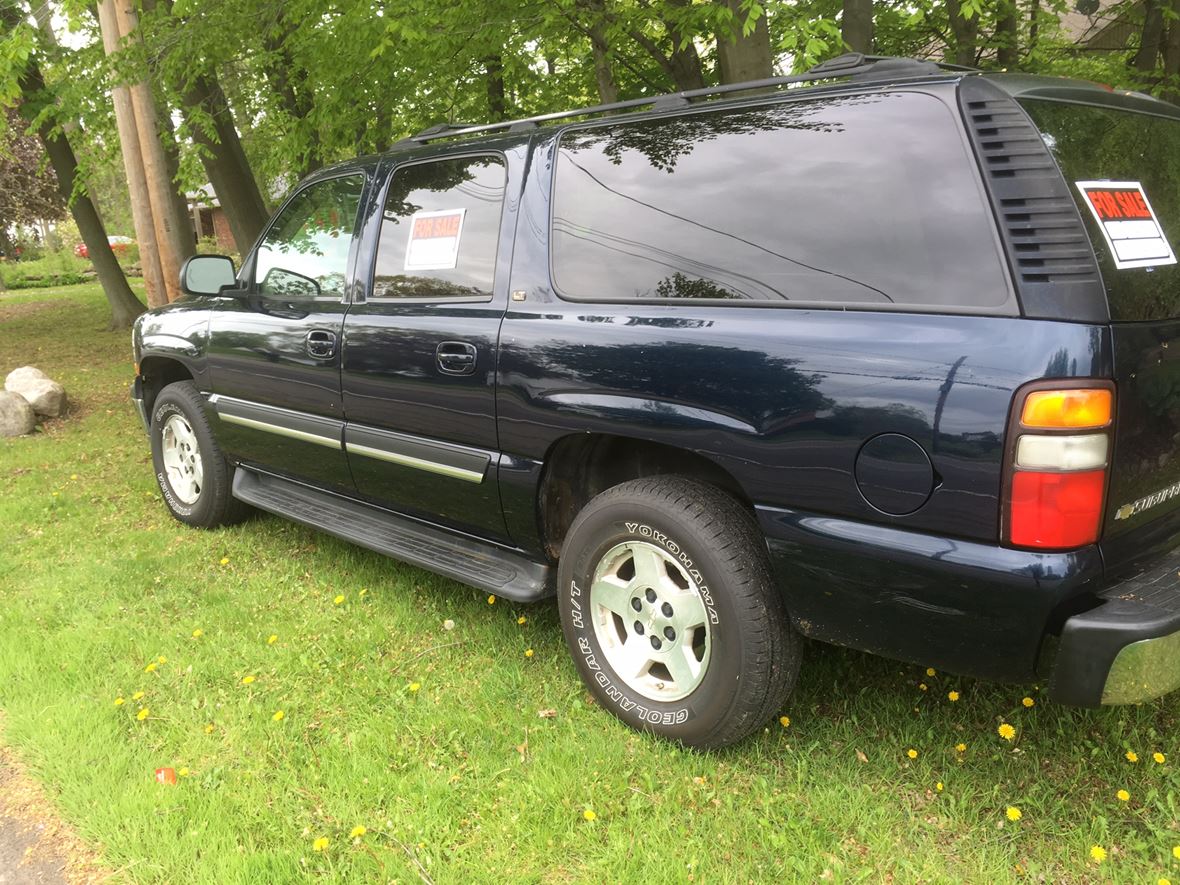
(456,358)
(321,343)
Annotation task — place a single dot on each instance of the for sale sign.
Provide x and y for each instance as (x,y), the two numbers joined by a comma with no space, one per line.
(434,239)
(1128,223)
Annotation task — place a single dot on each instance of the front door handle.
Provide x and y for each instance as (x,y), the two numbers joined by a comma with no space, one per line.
(321,343)
(456,358)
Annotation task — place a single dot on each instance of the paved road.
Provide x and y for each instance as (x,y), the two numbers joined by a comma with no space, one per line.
(44,865)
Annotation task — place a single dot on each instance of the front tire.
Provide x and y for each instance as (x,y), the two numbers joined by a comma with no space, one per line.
(193,474)
(671,615)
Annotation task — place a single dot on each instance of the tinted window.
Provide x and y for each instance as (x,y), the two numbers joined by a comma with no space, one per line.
(440,230)
(305,253)
(1093,144)
(865,200)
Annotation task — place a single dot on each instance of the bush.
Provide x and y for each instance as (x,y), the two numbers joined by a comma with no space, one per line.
(55,269)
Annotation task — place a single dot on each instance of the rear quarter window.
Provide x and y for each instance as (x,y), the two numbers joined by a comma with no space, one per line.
(868,201)
(1100,143)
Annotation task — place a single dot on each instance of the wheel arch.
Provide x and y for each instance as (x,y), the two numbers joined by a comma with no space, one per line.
(157,372)
(580,466)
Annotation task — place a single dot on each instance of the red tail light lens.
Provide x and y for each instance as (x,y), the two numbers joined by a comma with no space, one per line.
(1057,487)
(1056,509)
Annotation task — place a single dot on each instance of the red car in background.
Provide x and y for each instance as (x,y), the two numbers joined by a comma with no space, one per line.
(119,245)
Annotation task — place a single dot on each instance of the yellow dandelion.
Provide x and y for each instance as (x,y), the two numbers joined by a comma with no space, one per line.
(922,686)
(1013,813)
(224,560)
(1097,853)
(357,832)
(339,600)
(528,652)
(142,714)
(492,599)
(414,686)
(1176,852)
(246,680)
(522,620)
(182,772)
(938,787)
(952,696)
(320,844)
(912,753)
(198,633)
(1132,756)
(1163,881)
(209,728)
(930,671)
(137,696)
(960,748)
(589,815)
(119,702)
(1123,796)
(278,716)
(150,668)
(784,721)
(73,476)
(1028,702)
(162,660)
(1006,731)
(1159,758)
(272,639)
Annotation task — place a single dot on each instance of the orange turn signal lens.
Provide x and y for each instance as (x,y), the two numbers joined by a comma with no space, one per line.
(1067,408)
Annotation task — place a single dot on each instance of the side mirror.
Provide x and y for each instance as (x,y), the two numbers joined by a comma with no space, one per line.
(207,275)
(283,283)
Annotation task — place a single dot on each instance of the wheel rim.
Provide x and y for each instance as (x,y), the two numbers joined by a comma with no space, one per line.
(182,459)
(650,620)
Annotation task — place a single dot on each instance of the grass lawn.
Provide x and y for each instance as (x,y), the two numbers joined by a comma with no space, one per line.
(412,707)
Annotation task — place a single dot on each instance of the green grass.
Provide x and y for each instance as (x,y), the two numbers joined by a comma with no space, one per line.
(461,780)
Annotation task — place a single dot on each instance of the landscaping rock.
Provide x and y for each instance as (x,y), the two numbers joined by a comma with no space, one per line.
(16,415)
(46,396)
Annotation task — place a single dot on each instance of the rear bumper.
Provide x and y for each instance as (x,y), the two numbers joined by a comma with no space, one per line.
(137,398)
(1127,649)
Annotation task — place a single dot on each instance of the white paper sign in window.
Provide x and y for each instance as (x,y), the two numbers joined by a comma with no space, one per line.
(1128,223)
(434,239)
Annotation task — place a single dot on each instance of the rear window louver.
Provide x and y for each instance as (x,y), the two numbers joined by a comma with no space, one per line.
(1053,262)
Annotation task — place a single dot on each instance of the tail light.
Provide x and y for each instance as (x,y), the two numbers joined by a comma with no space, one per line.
(1057,458)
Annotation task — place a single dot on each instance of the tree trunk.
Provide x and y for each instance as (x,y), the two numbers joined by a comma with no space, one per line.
(294,100)
(965,32)
(856,25)
(1034,25)
(1150,38)
(225,162)
(171,237)
(1172,56)
(493,67)
(740,56)
(141,204)
(604,75)
(682,65)
(1007,35)
(179,203)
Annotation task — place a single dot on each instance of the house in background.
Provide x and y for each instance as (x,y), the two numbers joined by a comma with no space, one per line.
(208,218)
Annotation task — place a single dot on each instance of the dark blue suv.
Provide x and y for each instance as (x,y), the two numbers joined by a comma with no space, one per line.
(878,355)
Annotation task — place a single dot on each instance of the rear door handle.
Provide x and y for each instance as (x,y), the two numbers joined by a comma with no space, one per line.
(456,358)
(321,343)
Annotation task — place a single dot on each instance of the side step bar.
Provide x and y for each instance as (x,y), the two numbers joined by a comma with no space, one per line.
(481,565)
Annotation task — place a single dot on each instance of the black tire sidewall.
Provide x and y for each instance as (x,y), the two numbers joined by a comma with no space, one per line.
(692,718)
(172,402)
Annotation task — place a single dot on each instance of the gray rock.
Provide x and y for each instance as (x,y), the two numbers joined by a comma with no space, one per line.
(46,396)
(16,415)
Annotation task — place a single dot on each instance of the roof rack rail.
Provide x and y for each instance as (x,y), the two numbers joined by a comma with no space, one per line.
(856,65)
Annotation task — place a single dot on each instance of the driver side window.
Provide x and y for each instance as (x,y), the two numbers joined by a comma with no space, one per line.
(305,253)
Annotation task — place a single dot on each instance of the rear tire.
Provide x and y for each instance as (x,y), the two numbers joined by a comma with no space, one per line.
(193,474)
(671,614)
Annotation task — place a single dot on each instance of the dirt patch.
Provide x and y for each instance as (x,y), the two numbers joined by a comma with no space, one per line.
(26,308)
(36,846)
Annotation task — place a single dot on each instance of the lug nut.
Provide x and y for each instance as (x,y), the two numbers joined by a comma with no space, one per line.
(666,608)
(651,595)
(639,628)
(655,643)
(669,633)
(636,604)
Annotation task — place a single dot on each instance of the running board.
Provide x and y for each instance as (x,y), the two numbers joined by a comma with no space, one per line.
(476,563)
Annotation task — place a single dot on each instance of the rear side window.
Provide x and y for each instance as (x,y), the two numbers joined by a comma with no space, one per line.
(869,200)
(1095,144)
(440,230)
